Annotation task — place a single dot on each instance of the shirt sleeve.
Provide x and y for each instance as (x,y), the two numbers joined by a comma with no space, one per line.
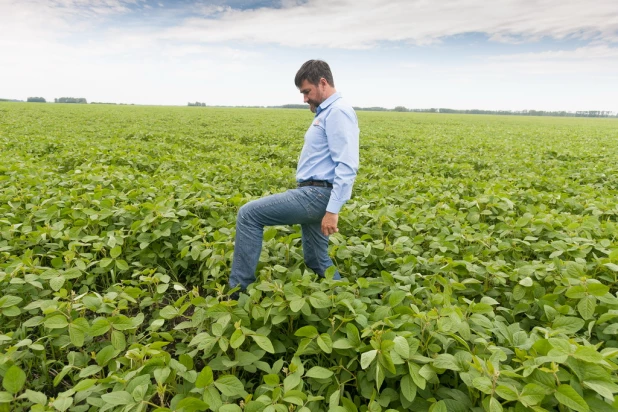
(342,134)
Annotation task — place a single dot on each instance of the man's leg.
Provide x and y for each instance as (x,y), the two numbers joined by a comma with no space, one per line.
(291,207)
(315,249)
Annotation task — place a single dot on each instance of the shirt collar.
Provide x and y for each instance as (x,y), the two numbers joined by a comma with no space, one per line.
(327,102)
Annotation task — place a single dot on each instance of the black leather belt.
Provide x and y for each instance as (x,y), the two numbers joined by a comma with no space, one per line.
(321,183)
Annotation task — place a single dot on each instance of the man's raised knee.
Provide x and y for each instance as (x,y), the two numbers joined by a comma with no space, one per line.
(245,210)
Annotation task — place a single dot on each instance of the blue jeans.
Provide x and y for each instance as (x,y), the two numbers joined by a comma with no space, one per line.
(305,206)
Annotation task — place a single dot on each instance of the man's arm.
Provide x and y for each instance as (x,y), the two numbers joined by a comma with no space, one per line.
(343,142)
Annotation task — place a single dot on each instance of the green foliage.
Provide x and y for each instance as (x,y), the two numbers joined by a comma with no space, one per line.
(479,259)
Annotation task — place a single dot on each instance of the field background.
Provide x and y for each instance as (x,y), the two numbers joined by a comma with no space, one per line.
(479,255)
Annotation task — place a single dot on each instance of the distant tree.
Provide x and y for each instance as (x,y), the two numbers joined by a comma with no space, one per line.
(291,106)
(400,109)
(79,100)
(36,100)
(372,109)
(197,104)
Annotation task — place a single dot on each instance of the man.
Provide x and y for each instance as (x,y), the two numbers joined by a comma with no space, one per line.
(325,174)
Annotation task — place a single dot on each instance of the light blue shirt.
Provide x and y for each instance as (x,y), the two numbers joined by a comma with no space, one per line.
(330,151)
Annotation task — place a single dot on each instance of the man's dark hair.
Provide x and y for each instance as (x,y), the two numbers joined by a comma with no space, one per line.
(313,71)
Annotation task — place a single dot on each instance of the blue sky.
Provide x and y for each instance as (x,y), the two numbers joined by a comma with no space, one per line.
(506,54)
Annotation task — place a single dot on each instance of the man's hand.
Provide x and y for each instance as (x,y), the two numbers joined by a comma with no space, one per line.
(329,223)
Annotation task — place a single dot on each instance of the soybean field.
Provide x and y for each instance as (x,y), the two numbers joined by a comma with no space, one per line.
(479,257)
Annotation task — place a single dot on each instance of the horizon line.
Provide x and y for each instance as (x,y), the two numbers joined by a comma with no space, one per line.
(301,106)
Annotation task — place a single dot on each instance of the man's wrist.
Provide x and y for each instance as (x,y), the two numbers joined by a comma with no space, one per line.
(334,206)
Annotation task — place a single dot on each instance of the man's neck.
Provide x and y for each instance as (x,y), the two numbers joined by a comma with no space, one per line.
(328,93)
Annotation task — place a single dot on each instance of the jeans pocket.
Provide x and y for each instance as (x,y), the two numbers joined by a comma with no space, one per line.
(317,192)
(316,202)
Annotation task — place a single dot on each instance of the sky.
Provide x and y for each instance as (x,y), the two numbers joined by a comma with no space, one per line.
(459,54)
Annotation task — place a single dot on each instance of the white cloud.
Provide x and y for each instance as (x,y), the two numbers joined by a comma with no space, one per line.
(353,24)
(358,24)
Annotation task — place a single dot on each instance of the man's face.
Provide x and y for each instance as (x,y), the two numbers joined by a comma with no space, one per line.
(313,94)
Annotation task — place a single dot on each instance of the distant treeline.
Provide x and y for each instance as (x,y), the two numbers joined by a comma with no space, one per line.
(563,113)
(585,113)
(581,113)
(79,100)
(42,100)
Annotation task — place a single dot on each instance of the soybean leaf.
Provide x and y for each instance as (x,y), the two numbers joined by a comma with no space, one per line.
(532,394)
(14,379)
(190,404)
(567,396)
(319,372)
(307,331)
(367,358)
(205,378)
(408,388)
(264,343)
(118,398)
(56,322)
(229,385)
(62,403)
